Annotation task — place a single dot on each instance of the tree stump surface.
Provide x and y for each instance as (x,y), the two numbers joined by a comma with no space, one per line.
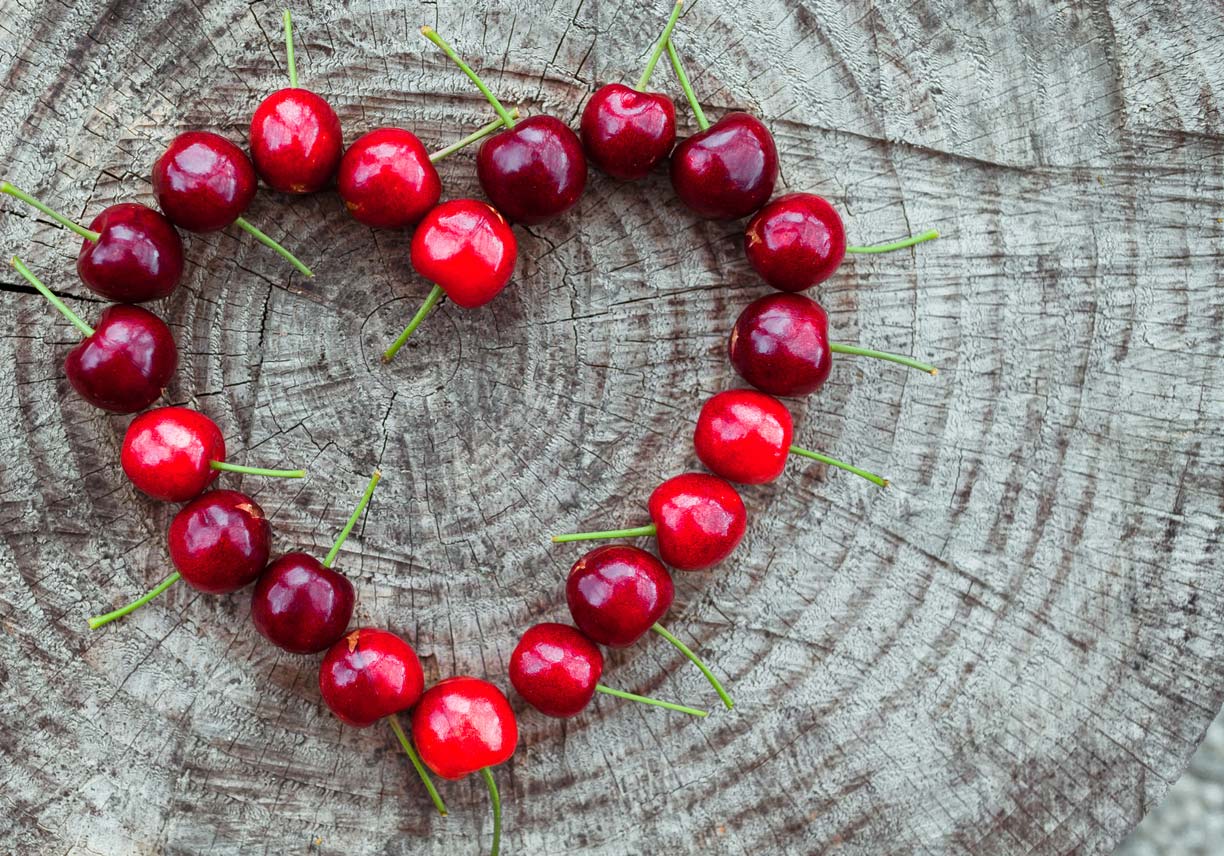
(1014,649)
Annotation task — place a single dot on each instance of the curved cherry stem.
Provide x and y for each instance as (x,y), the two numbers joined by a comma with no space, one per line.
(494,798)
(99,620)
(692,711)
(435,294)
(52,297)
(416,763)
(659,48)
(352,521)
(702,121)
(901,359)
(244,223)
(834,462)
(635,532)
(928,235)
(432,34)
(226,467)
(289,50)
(705,670)
(474,137)
(18,193)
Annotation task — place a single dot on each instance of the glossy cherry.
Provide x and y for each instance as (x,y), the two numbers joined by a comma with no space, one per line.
(219,541)
(368,675)
(617,592)
(130,253)
(796,241)
(387,179)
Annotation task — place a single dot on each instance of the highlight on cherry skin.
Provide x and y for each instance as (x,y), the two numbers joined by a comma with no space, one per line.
(124,362)
(129,253)
(174,453)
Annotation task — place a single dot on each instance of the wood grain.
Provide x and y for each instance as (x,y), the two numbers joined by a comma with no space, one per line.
(1015,649)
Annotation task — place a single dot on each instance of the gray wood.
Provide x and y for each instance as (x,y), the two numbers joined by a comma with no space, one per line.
(1015,649)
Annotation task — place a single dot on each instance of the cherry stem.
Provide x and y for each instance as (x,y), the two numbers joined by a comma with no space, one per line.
(833,462)
(99,620)
(929,235)
(659,48)
(226,467)
(883,355)
(636,532)
(702,121)
(88,235)
(352,521)
(494,798)
(289,50)
(435,294)
(52,297)
(474,137)
(431,34)
(705,670)
(243,223)
(692,711)
(416,763)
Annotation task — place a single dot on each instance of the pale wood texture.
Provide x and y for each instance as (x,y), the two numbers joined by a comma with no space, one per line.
(1015,649)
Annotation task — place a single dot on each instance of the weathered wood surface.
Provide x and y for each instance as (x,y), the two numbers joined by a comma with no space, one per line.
(1013,650)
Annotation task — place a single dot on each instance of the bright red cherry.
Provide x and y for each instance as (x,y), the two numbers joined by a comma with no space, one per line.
(368,675)
(556,669)
(203,182)
(387,179)
(463,725)
(617,592)
(796,241)
(219,541)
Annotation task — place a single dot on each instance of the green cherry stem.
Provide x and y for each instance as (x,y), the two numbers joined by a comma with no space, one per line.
(635,532)
(659,48)
(352,521)
(226,467)
(928,235)
(244,223)
(416,763)
(5,187)
(705,670)
(52,297)
(99,620)
(692,711)
(702,121)
(883,355)
(833,462)
(474,137)
(435,294)
(431,34)
(494,798)
(289,50)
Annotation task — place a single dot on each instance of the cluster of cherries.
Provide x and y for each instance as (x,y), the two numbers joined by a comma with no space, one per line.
(530,170)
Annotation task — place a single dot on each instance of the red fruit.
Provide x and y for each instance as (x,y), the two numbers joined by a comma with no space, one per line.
(744,436)
(555,669)
(534,170)
(203,182)
(127,362)
(368,675)
(616,593)
(626,132)
(296,141)
(167,453)
(219,542)
(728,170)
(463,725)
(467,249)
(387,180)
(699,520)
(780,344)
(138,255)
(796,241)
(300,605)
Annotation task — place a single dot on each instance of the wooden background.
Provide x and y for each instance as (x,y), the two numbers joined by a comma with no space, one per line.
(1015,649)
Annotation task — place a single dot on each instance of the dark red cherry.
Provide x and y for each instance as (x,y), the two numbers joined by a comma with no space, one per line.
(203,182)
(744,436)
(780,344)
(796,241)
(387,180)
(700,519)
(462,725)
(300,605)
(533,171)
(296,141)
(556,669)
(167,453)
(138,255)
(219,541)
(616,593)
(625,132)
(728,170)
(127,361)
(368,675)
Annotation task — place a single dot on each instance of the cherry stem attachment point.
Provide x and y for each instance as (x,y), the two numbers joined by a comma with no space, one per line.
(52,297)
(494,798)
(833,462)
(473,137)
(289,50)
(435,294)
(635,532)
(87,234)
(99,620)
(352,521)
(705,670)
(226,467)
(659,48)
(243,223)
(692,711)
(883,355)
(431,34)
(702,121)
(416,763)
(929,235)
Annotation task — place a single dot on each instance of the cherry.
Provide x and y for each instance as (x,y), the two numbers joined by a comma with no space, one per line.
(626,132)
(744,436)
(728,169)
(203,183)
(301,604)
(798,241)
(534,169)
(125,362)
(296,140)
(174,453)
(130,253)
(617,592)
(556,669)
(468,251)
(780,344)
(465,725)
